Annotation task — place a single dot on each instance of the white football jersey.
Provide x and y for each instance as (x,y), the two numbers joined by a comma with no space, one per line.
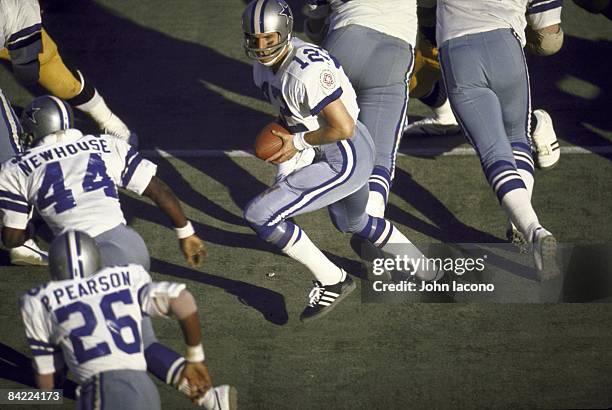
(72,182)
(20,21)
(308,80)
(457,18)
(93,324)
(396,18)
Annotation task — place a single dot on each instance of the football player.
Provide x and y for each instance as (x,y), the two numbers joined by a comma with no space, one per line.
(544,37)
(485,74)
(318,105)
(72,179)
(35,58)
(88,318)
(20,34)
(379,68)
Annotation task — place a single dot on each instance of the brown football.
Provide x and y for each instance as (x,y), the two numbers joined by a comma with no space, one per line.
(266,143)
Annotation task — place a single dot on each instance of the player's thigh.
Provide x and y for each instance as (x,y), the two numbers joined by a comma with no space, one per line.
(308,189)
(10,129)
(348,166)
(510,82)
(354,60)
(475,105)
(121,246)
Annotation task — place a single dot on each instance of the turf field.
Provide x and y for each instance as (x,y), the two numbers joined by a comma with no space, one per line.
(179,78)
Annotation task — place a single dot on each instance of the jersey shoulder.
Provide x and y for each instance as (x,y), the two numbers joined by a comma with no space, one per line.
(309,62)
(30,301)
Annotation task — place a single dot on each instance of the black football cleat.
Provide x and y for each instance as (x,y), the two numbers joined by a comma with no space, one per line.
(324,298)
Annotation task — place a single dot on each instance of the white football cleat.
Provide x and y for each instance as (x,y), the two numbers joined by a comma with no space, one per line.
(298,161)
(545,141)
(442,122)
(29,254)
(545,254)
(222,397)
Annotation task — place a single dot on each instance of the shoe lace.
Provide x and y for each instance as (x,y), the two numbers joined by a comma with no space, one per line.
(315,294)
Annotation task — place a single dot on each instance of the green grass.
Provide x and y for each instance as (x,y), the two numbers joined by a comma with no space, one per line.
(362,355)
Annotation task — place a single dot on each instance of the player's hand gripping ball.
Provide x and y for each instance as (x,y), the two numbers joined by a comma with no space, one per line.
(268,144)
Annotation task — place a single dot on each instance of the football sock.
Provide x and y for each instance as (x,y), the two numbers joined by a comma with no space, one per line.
(96,107)
(524,165)
(390,240)
(376,205)
(380,182)
(518,207)
(305,252)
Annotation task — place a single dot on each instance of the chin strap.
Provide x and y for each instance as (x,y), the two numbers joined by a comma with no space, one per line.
(284,51)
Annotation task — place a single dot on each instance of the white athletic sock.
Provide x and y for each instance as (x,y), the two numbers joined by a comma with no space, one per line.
(305,252)
(96,108)
(376,205)
(528,180)
(444,113)
(399,244)
(518,207)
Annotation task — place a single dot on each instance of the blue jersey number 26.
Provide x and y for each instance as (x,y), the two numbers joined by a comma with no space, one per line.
(113,323)
(53,191)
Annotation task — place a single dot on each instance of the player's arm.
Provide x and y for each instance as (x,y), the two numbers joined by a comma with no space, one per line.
(47,356)
(44,381)
(192,246)
(15,211)
(13,238)
(25,43)
(339,126)
(164,299)
(138,175)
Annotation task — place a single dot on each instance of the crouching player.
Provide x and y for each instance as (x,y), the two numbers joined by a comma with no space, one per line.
(89,318)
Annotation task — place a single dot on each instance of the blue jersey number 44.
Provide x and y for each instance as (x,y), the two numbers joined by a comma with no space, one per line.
(53,191)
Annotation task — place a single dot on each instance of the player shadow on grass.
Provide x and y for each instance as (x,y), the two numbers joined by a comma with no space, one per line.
(134,208)
(17,367)
(447,228)
(269,303)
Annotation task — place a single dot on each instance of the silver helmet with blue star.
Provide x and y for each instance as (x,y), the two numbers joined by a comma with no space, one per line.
(43,116)
(263,17)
